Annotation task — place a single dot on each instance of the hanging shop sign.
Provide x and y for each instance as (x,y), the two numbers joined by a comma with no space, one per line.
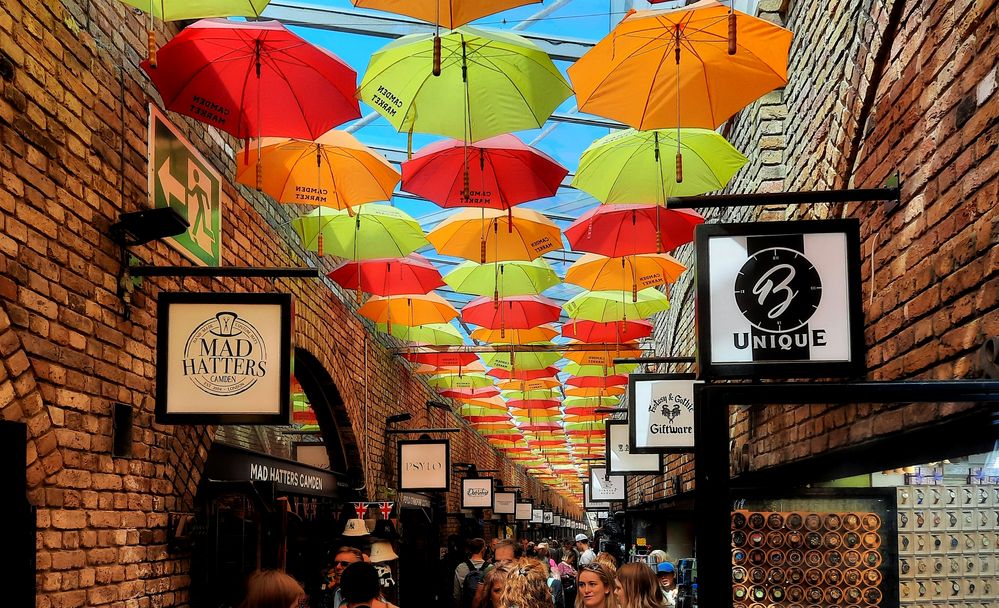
(505,503)
(779,300)
(524,511)
(537,516)
(414,501)
(620,460)
(477,493)
(229,463)
(311,453)
(557,520)
(179,177)
(424,465)
(604,487)
(660,414)
(549,518)
(588,502)
(223,358)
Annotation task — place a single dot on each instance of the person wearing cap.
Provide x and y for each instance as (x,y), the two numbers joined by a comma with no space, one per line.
(362,587)
(666,573)
(586,555)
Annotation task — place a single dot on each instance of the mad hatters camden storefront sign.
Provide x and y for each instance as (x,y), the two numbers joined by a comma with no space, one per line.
(779,300)
(223,358)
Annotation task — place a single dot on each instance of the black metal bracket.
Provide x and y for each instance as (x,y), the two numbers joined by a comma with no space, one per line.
(242,272)
(414,431)
(890,192)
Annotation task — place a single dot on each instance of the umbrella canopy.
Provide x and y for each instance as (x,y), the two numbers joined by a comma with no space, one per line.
(594,401)
(628,273)
(534,404)
(408,310)
(496,173)
(435,334)
(617,332)
(606,306)
(502,279)
(484,392)
(594,391)
(334,171)
(455,381)
(602,357)
(375,231)
(179,10)
(413,274)
(542,333)
(446,13)
(621,369)
(529,385)
(620,230)
(442,359)
(254,79)
(632,167)
(520,360)
(431,369)
(598,381)
(544,393)
(490,235)
(491,82)
(523,374)
(656,60)
(515,312)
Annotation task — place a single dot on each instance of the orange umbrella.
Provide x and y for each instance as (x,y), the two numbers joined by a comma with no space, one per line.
(541,333)
(408,310)
(334,171)
(529,385)
(493,235)
(429,369)
(445,13)
(716,60)
(629,273)
(602,357)
(594,391)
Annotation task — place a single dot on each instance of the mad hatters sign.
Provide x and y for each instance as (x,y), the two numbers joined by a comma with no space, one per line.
(424,465)
(779,300)
(223,358)
(660,414)
(477,493)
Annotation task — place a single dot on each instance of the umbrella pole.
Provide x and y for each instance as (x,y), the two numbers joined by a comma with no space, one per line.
(731,29)
(151,36)
(260,171)
(679,156)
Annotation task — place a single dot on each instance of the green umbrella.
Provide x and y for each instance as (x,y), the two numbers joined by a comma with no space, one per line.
(490,82)
(502,279)
(633,166)
(520,360)
(454,381)
(547,393)
(588,401)
(607,306)
(575,369)
(373,231)
(436,334)
(178,10)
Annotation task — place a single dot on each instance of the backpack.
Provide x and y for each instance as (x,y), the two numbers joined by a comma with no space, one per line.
(471,584)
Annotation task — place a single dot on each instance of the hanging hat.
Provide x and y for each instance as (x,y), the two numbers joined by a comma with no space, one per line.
(382,551)
(355,527)
(384,530)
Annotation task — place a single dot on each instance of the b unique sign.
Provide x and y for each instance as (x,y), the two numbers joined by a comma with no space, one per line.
(660,413)
(604,487)
(779,300)
(424,465)
(477,493)
(505,503)
(223,358)
(524,511)
(620,460)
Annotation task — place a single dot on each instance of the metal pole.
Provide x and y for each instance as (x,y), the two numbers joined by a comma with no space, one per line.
(521,348)
(293,272)
(655,360)
(857,195)
(414,431)
(711,500)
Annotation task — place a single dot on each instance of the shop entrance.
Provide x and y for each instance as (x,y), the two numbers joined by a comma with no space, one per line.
(17,578)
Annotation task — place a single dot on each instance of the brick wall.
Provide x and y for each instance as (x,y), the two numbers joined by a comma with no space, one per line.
(934,294)
(73,121)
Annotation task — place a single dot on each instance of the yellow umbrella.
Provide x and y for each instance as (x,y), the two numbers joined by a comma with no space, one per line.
(408,310)
(334,171)
(493,235)
(630,273)
(541,333)
(445,13)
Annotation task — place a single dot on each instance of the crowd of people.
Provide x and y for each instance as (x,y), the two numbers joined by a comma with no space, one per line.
(500,574)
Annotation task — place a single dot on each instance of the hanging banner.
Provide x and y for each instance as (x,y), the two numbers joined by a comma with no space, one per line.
(223,358)
(779,300)
(424,465)
(619,458)
(588,503)
(524,511)
(179,177)
(505,503)
(660,413)
(477,493)
(606,488)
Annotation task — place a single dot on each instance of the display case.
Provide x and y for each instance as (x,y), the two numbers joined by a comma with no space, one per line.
(826,548)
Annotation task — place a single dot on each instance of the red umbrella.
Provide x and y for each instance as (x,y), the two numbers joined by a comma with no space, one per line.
(442,359)
(597,381)
(496,173)
(253,79)
(487,418)
(513,312)
(541,426)
(413,274)
(620,230)
(533,404)
(526,374)
(614,332)
(470,393)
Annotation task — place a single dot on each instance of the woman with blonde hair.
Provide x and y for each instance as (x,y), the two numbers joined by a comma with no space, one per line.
(526,586)
(491,589)
(272,589)
(636,586)
(595,586)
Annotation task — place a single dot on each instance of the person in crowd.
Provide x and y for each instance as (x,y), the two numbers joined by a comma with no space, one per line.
(526,586)
(488,594)
(491,551)
(658,556)
(606,558)
(545,555)
(566,570)
(595,587)
(635,586)
(531,550)
(344,557)
(361,587)
(272,589)
(586,555)
(666,574)
(554,580)
(475,563)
